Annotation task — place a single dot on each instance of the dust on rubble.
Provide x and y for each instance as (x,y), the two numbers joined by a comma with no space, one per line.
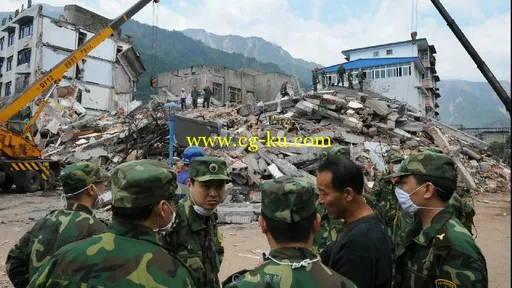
(244,244)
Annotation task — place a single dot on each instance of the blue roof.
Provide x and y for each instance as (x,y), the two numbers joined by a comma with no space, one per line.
(371,62)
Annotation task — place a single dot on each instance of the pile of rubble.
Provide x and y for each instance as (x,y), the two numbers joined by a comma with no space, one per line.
(368,123)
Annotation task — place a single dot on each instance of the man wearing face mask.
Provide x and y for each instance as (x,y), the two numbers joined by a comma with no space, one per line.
(383,190)
(195,238)
(440,251)
(83,185)
(131,253)
(363,252)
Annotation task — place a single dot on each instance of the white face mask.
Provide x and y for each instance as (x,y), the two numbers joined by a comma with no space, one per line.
(405,201)
(203,212)
(167,227)
(102,198)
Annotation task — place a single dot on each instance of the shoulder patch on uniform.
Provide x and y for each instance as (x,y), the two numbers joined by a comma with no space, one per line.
(220,238)
(443,283)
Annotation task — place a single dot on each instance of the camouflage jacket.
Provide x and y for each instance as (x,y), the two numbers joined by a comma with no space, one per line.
(49,234)
(441,255)
(315,77)
(129,255)
(207,92)
(194,94)
(404,221)
(350,76)
(198,243)
(329,229)
(463,203)
(283,88)
(384,194)
(341,70)
(273,274)
(360,76)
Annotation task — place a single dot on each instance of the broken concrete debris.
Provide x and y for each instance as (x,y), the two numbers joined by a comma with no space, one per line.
(371,125)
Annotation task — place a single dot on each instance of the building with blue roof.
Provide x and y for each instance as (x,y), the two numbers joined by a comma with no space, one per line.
(400,70)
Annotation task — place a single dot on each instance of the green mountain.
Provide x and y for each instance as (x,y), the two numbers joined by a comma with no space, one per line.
(175,50)
(472,104)
(258,48)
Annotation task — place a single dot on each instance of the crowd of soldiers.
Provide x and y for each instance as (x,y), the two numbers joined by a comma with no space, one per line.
(360,76)
(195,96)
(407,232)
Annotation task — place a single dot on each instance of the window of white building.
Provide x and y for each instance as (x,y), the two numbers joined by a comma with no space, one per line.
(8,88)
(26,30)
(24,56)
(2,40)
(376,54)
(389,52)
(8,67)
(10,39)
(388,71)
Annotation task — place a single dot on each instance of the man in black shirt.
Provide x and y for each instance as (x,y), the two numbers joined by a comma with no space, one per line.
(363,252)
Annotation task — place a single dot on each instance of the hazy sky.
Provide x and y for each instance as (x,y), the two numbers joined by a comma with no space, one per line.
(318,30)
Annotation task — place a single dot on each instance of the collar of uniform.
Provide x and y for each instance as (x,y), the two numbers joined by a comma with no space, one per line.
(135,231)
(73,206)
(426,235)
(293,253)
(196,221)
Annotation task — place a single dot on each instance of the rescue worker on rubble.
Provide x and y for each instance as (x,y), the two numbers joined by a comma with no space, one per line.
(195,238)
(360,79)
(195,95)
(131,253)
(315,79)
(324,77)
(207,96)
(83,185)
(341,75)
(289,220)
(284,89)
(183,99)
(439,252)
(350,78)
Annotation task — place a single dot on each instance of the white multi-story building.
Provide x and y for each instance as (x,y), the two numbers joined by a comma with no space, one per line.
(401,70)
(32,43)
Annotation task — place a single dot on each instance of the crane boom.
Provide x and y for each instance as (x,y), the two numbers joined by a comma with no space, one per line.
(489,76)
(55,75)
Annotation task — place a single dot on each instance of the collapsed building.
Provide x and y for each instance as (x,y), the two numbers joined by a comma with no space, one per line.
(228,85)
(34,41)
(370,124)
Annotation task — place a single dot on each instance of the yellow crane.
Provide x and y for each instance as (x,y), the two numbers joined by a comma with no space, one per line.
(21,163)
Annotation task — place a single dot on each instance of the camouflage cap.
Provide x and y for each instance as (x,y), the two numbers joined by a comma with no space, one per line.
(208,168)
(142,183)
(394,157)
(76,177)
(288,199)
(428,164)
(336,150)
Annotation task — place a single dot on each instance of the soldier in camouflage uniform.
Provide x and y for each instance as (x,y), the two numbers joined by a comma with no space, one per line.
(360,79)
(195,95)
(131,254)
(350,78)
(289,220)
(195,238)
(83,185)
(323,77)
(462,203)
(443,254)
(315,79)
(341,75)
(383,190)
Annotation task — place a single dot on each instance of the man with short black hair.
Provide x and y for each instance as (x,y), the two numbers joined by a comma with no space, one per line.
(440,252)
(363,252)
(289,220)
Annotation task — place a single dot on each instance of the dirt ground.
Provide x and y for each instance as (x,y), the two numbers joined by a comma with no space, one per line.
(244,244)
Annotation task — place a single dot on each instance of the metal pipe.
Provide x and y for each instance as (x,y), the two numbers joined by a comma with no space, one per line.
(480,64)
(172,118)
